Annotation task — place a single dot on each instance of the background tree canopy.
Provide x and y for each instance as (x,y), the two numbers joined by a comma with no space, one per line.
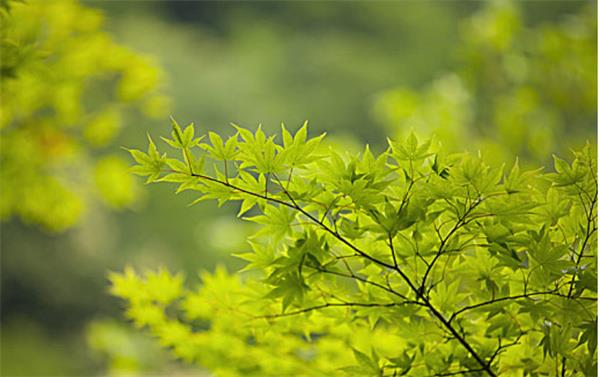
(65,87)
(78,81)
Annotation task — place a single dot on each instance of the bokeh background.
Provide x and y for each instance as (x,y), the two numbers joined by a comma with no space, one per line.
(82,79)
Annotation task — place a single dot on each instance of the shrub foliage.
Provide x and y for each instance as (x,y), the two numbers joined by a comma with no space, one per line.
(65,86)
(409,262)
(519,88)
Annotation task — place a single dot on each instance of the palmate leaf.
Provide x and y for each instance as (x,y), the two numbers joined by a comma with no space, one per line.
(128,285)
(448,296)
(351,229)
(221,151)
(404,361)
(587,280)
(367,366)
(555,340)
(277,221)
(374,169)
(517,208)
(149,164)
(260,258)
(297,150)
(410,150)
(551,258)
(537,309)
(517,181)
(555,207)
(259,153)
(566,175)
(476,176)
(290,288)
(182,139)
(589,335)
(249,183)
(163,286)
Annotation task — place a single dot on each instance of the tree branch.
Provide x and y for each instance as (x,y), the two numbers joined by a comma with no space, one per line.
(332,304)
(500,299)
(440,251)
(418,292)
(366,281)
(502,347)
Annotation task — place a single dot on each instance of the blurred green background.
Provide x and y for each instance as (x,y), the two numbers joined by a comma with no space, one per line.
(80,80)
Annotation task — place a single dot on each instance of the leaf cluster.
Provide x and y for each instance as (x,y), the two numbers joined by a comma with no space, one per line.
(409,262)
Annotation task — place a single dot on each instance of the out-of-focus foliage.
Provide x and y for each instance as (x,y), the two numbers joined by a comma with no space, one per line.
(252,62)
(412,262)
(65,88)
(129,352)
(519,90)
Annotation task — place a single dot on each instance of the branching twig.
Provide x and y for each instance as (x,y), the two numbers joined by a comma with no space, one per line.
(332,304)
(502,347)
(440,251)
(507,298)
(418,292)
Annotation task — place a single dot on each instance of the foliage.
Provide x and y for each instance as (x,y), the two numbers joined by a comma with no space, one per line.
(410,262)
(65,87)
(520,89)
(129,353)
(317,60)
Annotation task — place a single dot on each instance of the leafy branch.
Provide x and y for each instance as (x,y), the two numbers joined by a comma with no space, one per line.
(419,294)
(416,233)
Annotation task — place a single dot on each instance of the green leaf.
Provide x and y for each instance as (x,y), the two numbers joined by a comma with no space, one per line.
(182,139)
(410,150)
(404,362)
(261,258)
(277,221)
(368,364)
(589,335)
(290,288)
(149,164)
